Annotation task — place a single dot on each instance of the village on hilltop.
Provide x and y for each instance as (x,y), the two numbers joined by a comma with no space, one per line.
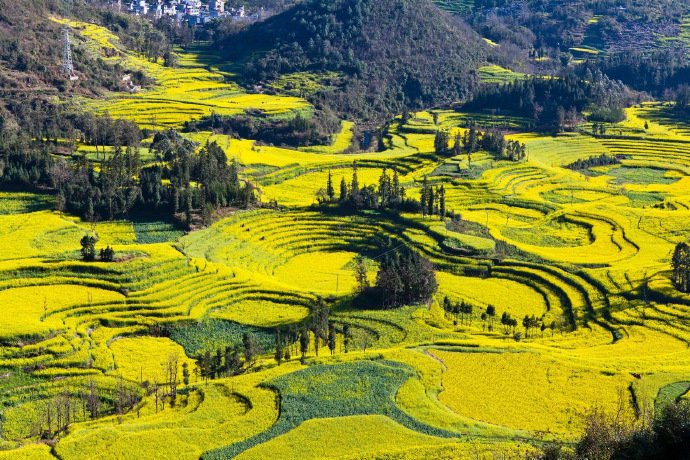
(193,11)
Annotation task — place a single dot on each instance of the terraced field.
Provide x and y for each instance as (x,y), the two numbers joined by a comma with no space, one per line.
(586,252)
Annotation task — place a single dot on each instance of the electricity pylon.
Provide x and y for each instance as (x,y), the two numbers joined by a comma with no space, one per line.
(67,64)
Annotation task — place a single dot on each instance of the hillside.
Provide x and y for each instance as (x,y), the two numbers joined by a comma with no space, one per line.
(388,54)
(610,26)
(31,52)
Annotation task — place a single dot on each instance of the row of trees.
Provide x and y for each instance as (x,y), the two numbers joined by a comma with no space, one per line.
(594,161)
(555,104)
(319,332)
(463,311)
(298,131)
(473,140)
(433,200)
(54,416)
(122,184)
(390,193)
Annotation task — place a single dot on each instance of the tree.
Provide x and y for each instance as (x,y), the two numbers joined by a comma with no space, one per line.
(279,348)
(330,191)
(92,399)
(171,372)
(680,263)
(442,203)
(360,271)
(396,186)
(354,186)
(343,190)
(251,349)
(88,247)
(347,337)
(185,374)
(331,337)
(107,254)
(304,343)
(441,142)
(491,313)
(385,188)
(431,199)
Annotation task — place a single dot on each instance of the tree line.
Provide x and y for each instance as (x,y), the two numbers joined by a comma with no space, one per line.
(464,312)
(291,342)
(390,193)
(556,104)
(594,161)
(75,403)
(473,140)
(298,131)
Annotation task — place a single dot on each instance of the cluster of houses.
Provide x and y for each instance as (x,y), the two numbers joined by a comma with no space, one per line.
(193,11)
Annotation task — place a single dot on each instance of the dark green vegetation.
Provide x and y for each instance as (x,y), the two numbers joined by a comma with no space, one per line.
(625,175)
(591,162)
(390,53)
(351,197)
(360,388)
(681,267)
(297,131)
(556,26)
(608,437)
(554,104)
(213,334)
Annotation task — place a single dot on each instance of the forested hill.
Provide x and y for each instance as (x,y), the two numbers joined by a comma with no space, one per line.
(607,25)
(390,53)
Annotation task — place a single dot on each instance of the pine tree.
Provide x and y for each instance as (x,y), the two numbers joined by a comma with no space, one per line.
(329,188)
(396,185)
(425,196)
(343,190)
(441,142)
(384,188)
(279,348)
(360,271)
(442,203)
(354,187)
(458,144)
(304,343)
(331,337)
(347,337)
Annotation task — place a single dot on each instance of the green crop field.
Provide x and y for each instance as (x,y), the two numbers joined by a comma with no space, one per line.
(119,352)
